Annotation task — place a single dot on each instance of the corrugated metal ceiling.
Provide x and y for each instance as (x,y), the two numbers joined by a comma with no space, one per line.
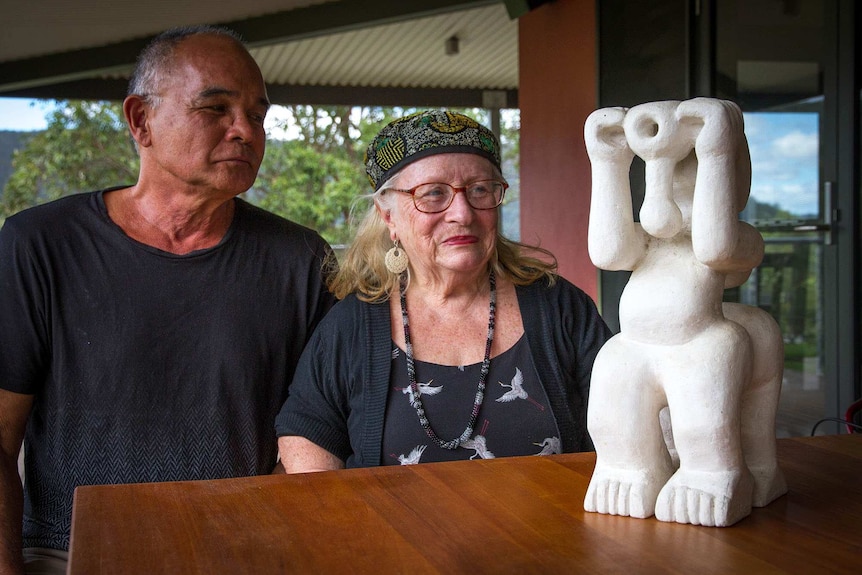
(41,27)
(407,53)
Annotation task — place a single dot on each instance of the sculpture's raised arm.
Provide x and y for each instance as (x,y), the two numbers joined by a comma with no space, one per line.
(615,242)
(719,239)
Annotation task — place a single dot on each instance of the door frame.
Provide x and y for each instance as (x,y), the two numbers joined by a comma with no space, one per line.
(840,167)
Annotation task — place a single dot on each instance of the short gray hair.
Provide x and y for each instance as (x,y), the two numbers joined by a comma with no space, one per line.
(158,58)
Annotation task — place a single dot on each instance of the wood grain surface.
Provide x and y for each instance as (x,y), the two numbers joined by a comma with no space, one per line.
(515,515)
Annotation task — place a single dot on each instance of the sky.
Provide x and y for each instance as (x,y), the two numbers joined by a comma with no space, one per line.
(784,151)
(783,146)
(20,114)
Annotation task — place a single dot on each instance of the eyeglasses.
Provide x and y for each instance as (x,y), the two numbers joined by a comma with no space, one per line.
(436,197)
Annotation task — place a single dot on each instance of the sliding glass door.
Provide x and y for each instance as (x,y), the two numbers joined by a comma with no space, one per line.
(776,59)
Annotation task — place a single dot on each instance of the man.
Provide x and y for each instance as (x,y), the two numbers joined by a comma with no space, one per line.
(149,332)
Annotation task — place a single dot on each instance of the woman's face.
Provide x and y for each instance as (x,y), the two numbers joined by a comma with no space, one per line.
(458,239)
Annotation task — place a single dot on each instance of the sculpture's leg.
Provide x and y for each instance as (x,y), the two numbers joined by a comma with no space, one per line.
(705,382)
(632,462)
(667,432)
(758,442)
(760,403)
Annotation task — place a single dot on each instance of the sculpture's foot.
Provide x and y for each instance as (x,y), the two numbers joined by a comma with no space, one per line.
(623,492)
(769,485)
(714,499)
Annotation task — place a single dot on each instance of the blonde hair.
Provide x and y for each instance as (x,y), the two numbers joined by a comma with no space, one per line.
(362,270)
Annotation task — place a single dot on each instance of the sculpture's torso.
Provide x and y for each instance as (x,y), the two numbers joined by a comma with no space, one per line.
(670,297)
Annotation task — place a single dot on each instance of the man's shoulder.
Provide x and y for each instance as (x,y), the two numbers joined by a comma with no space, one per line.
(261,216)
(52,216)
(61,207)
(261,221)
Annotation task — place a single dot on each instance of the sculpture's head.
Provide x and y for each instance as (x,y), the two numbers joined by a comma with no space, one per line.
(654,133)
(675,139)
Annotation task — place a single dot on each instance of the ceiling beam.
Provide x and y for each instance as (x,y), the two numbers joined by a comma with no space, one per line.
(316,20)
(115,89)
(401,97)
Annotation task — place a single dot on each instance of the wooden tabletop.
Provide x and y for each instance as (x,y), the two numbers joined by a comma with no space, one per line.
(516,515)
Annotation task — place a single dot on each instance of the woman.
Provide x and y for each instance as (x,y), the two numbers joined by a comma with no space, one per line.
(453,344)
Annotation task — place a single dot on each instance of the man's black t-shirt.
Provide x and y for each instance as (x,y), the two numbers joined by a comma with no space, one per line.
(145,365)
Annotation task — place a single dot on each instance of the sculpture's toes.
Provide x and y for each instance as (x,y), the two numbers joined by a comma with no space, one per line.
(692,506)
(712,499)
(608,496)
(621,492)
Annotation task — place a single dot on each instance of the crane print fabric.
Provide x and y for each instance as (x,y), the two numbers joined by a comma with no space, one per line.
(515,418)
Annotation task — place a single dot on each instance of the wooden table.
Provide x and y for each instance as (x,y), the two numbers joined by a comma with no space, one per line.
(516,515)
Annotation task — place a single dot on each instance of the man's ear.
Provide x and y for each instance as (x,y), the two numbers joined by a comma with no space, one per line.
(137,113)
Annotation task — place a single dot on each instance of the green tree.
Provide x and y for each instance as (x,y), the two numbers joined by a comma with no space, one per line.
(314,178)
(85,147)
(307,186)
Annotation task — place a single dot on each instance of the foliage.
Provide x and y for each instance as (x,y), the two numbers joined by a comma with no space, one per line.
(313,178)
(85,147)
(308,186)
(796,353)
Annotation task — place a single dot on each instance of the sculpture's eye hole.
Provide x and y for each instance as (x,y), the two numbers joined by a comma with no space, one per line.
(647,128)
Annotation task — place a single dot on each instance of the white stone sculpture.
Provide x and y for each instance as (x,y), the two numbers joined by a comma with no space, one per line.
(710,371)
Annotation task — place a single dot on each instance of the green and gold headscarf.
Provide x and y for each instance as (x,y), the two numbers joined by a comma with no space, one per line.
(423,134)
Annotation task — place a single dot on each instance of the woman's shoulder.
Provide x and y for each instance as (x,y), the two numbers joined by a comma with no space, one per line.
(559,299)
(351,309)
(552,288)
(352,326)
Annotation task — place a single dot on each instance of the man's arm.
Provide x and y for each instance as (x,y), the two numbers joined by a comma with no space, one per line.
(14,411)
(299,455)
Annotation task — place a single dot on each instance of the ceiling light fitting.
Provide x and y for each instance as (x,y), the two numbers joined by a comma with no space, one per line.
(451,46)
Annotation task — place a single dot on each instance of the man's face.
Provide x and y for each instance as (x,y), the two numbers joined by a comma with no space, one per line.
(206,132)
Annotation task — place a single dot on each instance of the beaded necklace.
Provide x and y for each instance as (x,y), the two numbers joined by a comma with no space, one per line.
(416,396)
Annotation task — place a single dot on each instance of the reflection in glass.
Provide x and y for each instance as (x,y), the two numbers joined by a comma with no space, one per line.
(785,192)
(784,167)
(787,285)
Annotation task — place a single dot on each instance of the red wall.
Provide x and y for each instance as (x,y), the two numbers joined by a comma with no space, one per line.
(557,91)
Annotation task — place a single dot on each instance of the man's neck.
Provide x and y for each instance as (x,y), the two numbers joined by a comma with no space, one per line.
(174,224)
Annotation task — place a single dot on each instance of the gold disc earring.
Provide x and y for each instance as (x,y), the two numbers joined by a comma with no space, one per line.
(396,259)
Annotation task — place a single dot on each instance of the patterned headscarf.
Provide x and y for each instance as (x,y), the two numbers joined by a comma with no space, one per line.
(423,134)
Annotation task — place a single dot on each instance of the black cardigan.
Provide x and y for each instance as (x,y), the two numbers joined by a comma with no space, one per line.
(338,396)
